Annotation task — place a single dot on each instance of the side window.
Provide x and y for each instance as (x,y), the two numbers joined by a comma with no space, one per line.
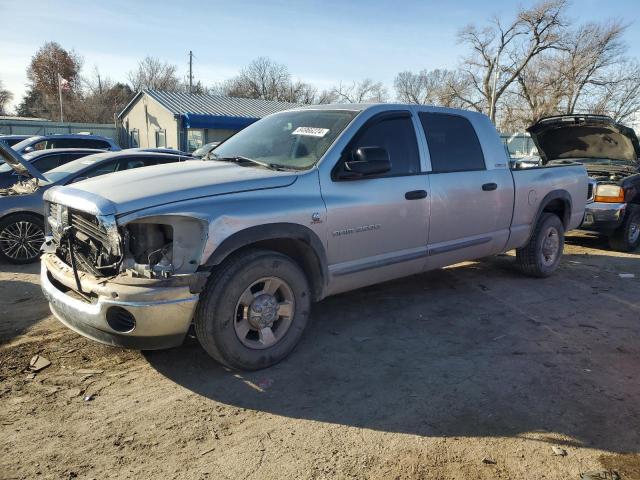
(98,144)
(135,162)
(453,143)
(69,157)
(398,137)
(134,139)
(161,138)
(47,162)
(103,169)
(63,143)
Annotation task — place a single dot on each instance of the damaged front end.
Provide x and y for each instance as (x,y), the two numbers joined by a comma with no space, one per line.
(134,285)
(154,247)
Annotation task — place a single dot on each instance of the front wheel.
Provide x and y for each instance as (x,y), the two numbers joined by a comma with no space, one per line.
(254,310)
(541,256)
(627,237)
(21,237)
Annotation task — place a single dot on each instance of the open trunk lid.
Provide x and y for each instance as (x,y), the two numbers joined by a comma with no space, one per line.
(584,136)
(19,164)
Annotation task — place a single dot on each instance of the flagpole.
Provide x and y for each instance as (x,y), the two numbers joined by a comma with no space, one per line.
(60,95)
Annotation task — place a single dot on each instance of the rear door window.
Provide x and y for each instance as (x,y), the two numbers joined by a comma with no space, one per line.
(453,143)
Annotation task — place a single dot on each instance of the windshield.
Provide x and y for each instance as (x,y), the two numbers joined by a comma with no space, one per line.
(295,139)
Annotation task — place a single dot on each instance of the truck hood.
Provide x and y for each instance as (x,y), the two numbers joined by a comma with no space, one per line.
(129,191)
(19,164)
(584,136)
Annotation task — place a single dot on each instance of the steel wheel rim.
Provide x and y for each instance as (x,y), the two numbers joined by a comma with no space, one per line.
(21,240)
(634,231)
(264,313)
(550,246)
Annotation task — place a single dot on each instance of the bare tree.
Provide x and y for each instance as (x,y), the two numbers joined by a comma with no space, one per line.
(539,93)
(101,98)
(434,87)
(154,74)
(364,91)
(266,79)
(262,79)
(586,56)
(620,96)
(5,97)
(501,51)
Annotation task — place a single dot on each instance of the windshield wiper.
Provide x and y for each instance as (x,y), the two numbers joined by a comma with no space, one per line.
(240,159)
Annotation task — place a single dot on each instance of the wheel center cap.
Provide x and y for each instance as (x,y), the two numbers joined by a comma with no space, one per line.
(263,311)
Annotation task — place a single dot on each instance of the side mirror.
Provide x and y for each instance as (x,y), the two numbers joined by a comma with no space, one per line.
(367,161)
(28,150)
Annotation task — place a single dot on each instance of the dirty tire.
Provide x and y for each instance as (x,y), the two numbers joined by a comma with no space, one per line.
(217,311)
(627,237)
(33,228)
(531,258)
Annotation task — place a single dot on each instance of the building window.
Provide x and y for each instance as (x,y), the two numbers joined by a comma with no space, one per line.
(134,139)
(161,138)
(195,139)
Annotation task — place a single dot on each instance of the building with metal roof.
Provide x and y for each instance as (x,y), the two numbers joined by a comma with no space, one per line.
(187,121)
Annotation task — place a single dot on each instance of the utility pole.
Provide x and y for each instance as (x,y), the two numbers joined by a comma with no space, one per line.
(60,96)
(190,71)
(492,108)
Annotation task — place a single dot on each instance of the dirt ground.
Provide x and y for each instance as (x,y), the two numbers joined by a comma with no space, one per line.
(474,371)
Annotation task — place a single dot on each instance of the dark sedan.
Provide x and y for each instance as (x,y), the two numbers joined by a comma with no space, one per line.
(43,160)
(21,206)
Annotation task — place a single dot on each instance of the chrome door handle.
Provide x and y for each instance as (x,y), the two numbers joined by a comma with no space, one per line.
(415,194)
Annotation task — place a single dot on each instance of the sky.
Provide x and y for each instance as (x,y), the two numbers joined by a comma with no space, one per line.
(322,42)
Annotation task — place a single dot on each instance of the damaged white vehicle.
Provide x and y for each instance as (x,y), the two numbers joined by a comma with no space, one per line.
(300,205)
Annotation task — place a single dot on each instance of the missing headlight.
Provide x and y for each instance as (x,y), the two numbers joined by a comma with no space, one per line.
(150,248)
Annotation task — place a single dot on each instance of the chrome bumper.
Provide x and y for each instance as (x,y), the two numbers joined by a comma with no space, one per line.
(162,314)
(599,215)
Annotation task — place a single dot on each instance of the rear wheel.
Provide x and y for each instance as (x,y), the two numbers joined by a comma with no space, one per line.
(627,237)
(254,310)
(541,256)
(21,237)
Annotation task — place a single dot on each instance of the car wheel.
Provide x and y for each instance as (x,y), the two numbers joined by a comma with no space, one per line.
(627,237)
(21,237)
(541,256)
(253,310)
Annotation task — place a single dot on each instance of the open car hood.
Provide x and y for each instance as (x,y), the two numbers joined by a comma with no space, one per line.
(584,136)
(19,164)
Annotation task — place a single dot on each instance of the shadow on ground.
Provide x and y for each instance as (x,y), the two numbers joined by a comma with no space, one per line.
(21,306)
(13,268)
(478,350)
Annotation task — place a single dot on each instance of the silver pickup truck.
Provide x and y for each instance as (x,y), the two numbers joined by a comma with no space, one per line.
(301,205)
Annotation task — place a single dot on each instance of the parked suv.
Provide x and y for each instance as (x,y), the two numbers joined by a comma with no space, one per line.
(44,142)
(298,206)
(610,152)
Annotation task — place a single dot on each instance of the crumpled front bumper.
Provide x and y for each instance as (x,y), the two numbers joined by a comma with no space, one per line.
(603,217)
(162,310)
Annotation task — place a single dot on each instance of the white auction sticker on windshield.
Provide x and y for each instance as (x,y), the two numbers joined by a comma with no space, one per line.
(311,131)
